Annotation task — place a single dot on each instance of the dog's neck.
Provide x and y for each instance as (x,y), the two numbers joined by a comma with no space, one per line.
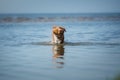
(57,40)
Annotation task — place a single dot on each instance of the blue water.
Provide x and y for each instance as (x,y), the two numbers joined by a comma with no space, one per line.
(91,50)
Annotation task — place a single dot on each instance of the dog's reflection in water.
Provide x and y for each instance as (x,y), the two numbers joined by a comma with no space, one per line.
(58,55)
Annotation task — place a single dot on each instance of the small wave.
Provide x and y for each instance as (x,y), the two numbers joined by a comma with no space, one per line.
(76,43)
(41,43)
(89,43)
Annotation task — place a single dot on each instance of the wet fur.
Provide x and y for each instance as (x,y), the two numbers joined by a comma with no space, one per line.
(58,35)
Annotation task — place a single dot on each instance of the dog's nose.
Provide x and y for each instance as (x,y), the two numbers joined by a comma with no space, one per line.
(58,36)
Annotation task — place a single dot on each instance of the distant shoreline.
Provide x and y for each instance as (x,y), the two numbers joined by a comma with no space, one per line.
(60,17)
(68,13)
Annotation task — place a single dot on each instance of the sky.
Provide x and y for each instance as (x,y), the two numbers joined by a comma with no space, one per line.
(59,6)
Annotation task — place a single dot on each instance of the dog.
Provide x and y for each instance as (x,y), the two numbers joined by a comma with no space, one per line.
(58,35)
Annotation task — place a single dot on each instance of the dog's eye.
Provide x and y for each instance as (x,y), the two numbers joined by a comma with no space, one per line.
(61,31)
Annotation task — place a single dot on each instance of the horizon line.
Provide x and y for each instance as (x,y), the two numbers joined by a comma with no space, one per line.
(69,13)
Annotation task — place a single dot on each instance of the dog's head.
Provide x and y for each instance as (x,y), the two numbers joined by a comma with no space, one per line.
(59,31)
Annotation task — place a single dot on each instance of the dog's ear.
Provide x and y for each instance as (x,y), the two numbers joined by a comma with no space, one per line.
(64,29)
(55,31)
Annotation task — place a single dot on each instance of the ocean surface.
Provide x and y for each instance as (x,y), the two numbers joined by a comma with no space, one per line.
(91,50)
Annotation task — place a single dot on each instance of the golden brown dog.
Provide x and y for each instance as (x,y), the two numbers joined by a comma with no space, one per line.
(58,35)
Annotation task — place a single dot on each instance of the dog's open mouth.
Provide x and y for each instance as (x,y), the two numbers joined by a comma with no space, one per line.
(59,36)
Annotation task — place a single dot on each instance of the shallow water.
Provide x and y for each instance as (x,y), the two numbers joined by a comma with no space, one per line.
(91,51)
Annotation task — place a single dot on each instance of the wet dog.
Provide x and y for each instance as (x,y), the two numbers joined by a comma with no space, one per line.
(58,35)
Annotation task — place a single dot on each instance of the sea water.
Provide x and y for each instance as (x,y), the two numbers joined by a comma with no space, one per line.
(91,50)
